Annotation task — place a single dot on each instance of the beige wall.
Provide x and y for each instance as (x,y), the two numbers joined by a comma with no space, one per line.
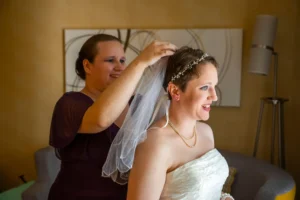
(32,69)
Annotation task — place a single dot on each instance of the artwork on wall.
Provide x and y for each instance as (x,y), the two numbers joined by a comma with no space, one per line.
(224,44)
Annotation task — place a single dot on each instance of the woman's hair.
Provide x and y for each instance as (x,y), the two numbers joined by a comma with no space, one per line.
(89,51)
(178,62)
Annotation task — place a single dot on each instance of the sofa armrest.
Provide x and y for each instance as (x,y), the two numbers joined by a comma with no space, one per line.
(47,166)
(257,179)
(37,191)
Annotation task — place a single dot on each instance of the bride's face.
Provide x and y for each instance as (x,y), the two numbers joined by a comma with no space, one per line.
(200,93)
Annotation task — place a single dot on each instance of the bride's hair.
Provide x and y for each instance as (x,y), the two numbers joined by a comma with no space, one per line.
(183,58)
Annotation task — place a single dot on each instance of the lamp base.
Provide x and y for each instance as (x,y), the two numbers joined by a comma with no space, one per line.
(277,106)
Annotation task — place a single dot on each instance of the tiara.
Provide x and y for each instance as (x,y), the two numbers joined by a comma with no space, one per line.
(189,66)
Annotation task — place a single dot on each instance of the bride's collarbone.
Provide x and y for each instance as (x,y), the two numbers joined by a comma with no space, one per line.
(181,154)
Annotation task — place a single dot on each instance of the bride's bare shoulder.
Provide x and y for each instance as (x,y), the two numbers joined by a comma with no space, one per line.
(205,129)
(155,148)
(158,137)
(204,126)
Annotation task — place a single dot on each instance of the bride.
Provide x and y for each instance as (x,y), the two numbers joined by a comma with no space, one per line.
(169,153)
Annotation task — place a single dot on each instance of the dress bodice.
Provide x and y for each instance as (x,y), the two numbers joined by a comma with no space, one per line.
(199,179)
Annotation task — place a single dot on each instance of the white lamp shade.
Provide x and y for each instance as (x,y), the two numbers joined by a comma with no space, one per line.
(262,44)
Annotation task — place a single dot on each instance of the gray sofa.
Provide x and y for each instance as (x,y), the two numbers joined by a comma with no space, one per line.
(47,166)
(255,179)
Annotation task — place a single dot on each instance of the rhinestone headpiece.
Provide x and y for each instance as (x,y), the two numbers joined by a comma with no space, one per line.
(189,66)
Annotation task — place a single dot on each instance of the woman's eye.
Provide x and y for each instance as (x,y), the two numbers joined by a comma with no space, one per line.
(204,88)
(110,60)
(122,61)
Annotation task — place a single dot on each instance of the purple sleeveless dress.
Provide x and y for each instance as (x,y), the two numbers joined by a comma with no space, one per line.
(82,155)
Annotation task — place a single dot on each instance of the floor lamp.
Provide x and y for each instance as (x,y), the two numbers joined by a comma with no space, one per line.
(261,55)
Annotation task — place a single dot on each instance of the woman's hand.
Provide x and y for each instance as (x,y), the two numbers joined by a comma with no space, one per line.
(226,196)
(155,51)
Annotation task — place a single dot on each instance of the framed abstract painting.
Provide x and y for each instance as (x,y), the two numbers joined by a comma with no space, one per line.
(224,44)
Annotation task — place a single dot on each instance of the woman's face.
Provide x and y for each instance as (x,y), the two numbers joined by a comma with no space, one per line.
(200,93)
(108,64)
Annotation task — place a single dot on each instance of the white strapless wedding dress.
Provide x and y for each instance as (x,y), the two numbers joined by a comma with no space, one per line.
(199,179)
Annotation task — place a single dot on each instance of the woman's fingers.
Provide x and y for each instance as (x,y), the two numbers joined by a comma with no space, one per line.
(164,49)
(156,50)
(168,52)
(168,46)
(165,52)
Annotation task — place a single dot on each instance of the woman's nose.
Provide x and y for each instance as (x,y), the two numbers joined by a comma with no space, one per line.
(213,95)
(119,66)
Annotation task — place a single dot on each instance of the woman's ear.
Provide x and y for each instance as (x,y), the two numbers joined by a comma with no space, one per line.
(174,91)
(87,66)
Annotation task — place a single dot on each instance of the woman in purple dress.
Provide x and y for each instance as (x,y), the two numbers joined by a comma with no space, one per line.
(84,123)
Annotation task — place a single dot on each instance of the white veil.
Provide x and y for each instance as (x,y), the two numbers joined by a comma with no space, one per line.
(149,104)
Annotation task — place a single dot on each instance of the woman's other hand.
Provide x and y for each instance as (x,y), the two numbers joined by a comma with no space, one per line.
(155,51)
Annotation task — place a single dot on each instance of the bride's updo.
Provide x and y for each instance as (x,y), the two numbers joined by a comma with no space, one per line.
(183,66)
